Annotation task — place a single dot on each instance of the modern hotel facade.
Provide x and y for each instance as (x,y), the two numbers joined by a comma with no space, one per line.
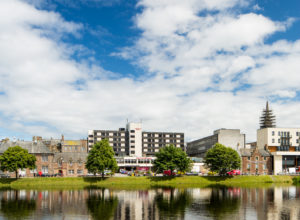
(283,144)
(133,141)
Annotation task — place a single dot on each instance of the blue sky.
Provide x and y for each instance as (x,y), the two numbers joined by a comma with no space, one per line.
(192,66)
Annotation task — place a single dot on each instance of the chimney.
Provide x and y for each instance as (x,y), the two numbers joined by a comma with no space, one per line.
(62,137)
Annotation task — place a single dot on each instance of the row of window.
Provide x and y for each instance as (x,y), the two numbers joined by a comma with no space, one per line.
(164,135)
(257,158)
(134,161)
(163,140)
(284,141)
(78,171)
(287,148)
(162,145)
(256,166)
(285,133)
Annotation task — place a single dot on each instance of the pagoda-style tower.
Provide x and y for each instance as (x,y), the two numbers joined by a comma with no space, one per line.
(267,120)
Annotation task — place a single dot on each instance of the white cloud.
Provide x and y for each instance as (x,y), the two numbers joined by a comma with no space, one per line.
(207,71)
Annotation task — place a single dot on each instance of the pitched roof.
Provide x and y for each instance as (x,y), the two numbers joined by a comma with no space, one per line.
(32,147)
(67,156)
(247,152)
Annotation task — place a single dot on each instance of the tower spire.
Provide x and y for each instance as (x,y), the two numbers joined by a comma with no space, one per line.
(267,119)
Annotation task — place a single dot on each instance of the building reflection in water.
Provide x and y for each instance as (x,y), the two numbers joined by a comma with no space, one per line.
(204,203)
(16,204)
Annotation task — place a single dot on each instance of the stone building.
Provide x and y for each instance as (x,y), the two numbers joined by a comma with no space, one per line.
(70,163)
(44,157)
(53,156)
(256,161)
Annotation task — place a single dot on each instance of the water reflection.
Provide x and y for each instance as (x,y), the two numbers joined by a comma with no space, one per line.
(172,203)
(199,203)
(16,205)
(100,205)
(223,202)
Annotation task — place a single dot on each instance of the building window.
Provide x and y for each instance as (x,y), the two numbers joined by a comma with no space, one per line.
(71,171)
(273,133)
(278,133)
(256,166)
(59,162)
(249,158)
(297,140)
(44,169)
(132,152)
(45,158)
(273,140)
(71,163)
(265,166)
(132,131)
(79,171)
(82,148)
(265,158)
(248,166)
(279,140)
(256,158)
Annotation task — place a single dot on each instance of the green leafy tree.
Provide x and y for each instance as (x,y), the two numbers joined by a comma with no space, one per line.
(101,158)
(15,158)
(222,159)
(172,158)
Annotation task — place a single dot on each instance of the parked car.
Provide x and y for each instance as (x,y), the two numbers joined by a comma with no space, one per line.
(4,175)
(234,173)
(168,173)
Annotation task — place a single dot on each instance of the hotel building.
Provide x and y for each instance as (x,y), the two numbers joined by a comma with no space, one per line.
(133,141)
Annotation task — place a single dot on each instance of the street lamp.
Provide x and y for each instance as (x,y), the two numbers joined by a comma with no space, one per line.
(285,164)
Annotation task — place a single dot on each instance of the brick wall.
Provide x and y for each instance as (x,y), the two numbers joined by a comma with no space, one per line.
(256,164)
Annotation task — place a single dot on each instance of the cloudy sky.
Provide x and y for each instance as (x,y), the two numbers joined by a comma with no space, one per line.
(191,66)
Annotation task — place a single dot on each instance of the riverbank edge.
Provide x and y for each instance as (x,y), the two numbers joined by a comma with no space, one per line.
(145,182)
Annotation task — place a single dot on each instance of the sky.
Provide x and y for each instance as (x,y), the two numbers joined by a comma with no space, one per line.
(190,66)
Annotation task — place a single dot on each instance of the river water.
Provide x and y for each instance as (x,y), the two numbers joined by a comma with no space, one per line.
(194,203)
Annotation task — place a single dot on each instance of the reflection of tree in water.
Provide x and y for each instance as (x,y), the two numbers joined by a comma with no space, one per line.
(17,208)
(222,202)
(174,204)
(101,207)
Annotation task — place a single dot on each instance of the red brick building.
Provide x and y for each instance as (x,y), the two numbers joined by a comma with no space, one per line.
(256,161)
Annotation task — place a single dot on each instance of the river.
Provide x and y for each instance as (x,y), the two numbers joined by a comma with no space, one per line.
(161,203)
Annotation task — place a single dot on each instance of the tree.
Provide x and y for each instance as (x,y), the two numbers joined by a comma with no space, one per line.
(172,158)
(15,158)
(101,158)
(222,159)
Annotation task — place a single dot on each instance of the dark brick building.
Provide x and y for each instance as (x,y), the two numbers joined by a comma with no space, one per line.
(256,161)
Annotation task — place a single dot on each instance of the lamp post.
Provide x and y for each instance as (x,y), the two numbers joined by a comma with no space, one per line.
(285,164)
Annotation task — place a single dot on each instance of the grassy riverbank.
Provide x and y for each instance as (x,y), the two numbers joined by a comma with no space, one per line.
(142,182)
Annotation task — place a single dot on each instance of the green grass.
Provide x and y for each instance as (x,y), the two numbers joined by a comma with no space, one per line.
(142,182)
